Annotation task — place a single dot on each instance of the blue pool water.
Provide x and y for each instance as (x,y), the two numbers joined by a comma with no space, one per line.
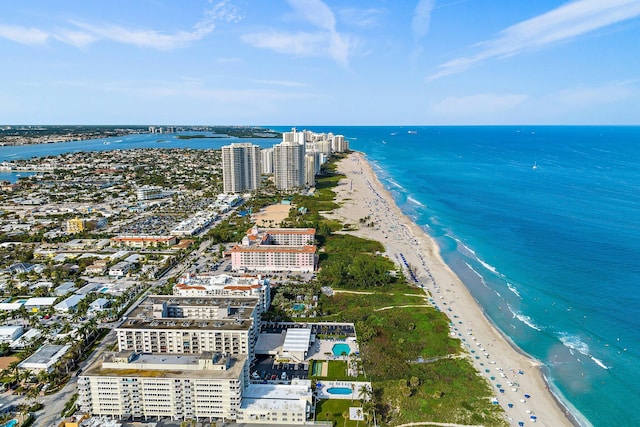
(10,423)
(298,307)
(103,290)
(340,349)
(339,390)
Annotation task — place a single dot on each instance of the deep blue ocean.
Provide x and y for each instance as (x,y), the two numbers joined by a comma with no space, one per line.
(541,223)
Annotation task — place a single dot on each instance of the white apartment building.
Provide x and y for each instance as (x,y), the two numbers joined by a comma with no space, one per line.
(288,165)
(143,242)
(310,170)
(9,334)
(240,167)
(296,137)
(120,269)
(339,144)
(128,384)
(266,160)
(276,404)
(320,146)
(148,192)
(190,325)
(225,285)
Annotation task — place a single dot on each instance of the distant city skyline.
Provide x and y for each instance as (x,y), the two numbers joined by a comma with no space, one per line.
(314,62)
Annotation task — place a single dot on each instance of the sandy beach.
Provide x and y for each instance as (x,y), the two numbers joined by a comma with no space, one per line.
(518,384)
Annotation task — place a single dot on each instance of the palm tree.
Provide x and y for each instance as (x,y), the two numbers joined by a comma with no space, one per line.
(32,395)
(365,393)
(359,414)
(13,372)
(345,415)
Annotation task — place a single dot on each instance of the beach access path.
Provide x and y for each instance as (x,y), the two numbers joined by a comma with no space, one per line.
(525,396)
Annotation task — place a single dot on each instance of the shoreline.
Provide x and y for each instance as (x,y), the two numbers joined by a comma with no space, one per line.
(526,396)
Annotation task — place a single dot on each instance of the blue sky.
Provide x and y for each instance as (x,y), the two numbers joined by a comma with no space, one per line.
(315,62)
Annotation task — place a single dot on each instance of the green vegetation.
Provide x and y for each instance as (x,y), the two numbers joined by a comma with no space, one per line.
(415,367)
(237,131)
(346,243)
(334,410)
(69,407)
(199,136)
(231,229)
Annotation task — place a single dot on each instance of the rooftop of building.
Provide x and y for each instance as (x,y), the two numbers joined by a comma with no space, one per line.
(127,364)
(45,354)
(235,313)
(276,396)
(275,248)
(142,238)
(254,230)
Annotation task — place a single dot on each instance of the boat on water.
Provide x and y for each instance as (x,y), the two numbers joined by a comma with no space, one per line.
(107,142)
(412,132)
(535,166)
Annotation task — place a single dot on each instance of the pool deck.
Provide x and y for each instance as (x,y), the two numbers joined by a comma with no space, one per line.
(323,349)
(356,386)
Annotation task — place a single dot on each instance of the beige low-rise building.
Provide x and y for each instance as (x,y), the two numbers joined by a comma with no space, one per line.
(191,325)
(143,242)
(206,386)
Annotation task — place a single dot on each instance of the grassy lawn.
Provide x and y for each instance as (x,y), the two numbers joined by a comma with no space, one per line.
(337,371)
(332,410)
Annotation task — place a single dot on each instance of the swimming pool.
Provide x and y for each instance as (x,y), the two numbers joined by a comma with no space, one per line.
(298,307)
(341,349)
(10,423)
(339,390)
(103,290)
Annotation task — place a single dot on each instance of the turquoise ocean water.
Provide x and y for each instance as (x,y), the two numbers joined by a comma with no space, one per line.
(543,226)
(541,223)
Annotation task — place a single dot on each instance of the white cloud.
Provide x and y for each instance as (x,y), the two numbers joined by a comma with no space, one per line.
(326,41)
(365,18)
(79,39)
(85,34)
(483,104)
(301,44)
(23,35)
(142,38)
(422,19)
(563,23)
(316,12)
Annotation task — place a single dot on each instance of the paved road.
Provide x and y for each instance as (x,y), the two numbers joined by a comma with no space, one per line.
(49,416)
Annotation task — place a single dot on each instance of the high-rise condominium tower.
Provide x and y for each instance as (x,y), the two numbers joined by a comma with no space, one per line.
(240,167)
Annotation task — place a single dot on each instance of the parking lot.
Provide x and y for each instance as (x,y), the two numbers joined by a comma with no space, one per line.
(342,330)
(266,370)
